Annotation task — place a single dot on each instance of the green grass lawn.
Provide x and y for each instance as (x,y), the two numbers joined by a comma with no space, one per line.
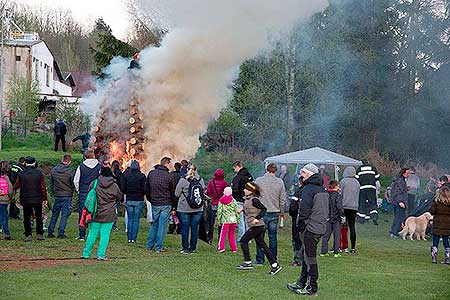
(383,268)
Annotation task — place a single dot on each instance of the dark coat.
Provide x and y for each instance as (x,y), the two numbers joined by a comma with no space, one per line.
(133,184)
(313,206)
(31,183)
(336,207)
(239,182)
(160,186)
(441,218)
(108,194)
(216,186)
(61,180)
(399,191)
(60,128)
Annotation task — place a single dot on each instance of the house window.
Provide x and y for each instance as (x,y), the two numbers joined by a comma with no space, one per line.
(36,69)
(18,58)
(47,75)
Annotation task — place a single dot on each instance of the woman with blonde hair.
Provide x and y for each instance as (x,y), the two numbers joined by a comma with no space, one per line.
(440,209)
(190,190)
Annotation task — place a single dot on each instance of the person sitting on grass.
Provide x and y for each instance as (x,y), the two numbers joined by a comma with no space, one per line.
(108,194)
(335,218)
(254,212)
(227,218)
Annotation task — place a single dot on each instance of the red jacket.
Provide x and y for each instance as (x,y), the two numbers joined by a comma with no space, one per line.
(216,186)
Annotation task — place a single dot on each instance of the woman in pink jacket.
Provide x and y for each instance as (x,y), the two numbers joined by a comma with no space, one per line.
(215,191)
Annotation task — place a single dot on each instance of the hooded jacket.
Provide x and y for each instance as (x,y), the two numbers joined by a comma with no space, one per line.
(399,191)
(61,180)
(132,183)
(227,212)
(182,191)
(160,186)
(350,189)
(239,182)
(313,206)
(86,173)
(216,186)
(273,192)
(108,194)
(336,209)
(441,217)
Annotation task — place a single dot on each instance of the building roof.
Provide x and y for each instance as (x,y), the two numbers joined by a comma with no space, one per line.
(314,155)
(21,43)
(84,83)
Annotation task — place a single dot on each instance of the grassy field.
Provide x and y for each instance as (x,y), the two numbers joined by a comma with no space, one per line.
(383,268)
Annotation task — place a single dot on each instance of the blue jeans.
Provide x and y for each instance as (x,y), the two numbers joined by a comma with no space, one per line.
(399,218)
(81,199)
(445,241)
(242,227)
(4,218)
(134,211)
(62,205)
(271,225)
(157,231)
(190,221)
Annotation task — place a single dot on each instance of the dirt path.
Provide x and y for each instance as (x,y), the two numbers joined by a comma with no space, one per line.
(11,262)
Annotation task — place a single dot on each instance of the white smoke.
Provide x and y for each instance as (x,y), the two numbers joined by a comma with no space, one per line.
(183,83)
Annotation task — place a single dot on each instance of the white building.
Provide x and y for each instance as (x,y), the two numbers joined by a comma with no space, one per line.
(30,57)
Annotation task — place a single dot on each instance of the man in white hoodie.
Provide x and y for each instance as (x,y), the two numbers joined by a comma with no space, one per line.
(86,173)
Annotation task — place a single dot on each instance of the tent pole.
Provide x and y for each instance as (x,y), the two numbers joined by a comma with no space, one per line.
(336,173)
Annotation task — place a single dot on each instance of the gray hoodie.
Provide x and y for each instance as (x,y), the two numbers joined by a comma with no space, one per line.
(350,189)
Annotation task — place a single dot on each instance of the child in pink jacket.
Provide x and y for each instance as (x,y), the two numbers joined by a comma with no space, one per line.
(228,217)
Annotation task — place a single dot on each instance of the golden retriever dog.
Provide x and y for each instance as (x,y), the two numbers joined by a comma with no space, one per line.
(416,226)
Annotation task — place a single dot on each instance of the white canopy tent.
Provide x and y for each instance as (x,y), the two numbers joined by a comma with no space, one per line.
(314,155)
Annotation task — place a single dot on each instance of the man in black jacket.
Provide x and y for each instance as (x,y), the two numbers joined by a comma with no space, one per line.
(312,224)
(160,191)
(238,185)
(60,134)
(61,186)
(33,195)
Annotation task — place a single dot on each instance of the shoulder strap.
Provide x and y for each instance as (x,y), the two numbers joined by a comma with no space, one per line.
(215,188)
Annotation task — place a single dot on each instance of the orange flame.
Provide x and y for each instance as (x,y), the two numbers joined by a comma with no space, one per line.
(124,156)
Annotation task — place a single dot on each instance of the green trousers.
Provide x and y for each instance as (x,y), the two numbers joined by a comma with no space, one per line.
(105,231)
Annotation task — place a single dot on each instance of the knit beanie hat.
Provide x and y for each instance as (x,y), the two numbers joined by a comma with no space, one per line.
(228,191)
(310,168)
(30,161)
(252,187)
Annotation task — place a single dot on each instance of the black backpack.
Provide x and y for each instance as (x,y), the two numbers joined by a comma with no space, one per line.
(196,195)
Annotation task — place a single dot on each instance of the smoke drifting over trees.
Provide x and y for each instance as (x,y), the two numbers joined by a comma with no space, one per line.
(370,74)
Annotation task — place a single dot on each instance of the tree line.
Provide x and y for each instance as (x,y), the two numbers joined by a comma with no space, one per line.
(361,75)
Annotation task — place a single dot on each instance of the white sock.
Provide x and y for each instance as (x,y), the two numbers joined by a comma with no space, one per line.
(274,265)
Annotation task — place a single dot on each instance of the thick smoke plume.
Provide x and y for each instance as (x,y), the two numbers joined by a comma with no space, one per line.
(183,83)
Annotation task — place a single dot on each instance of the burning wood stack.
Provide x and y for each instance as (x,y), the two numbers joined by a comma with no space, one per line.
(119,134)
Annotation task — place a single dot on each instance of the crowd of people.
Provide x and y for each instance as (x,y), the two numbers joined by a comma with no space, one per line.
(180,200)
